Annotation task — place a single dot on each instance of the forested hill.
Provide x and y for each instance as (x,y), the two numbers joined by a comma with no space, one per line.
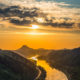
(15,67)
(67,61)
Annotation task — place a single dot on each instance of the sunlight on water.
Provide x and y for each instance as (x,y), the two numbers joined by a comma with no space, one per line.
(52,74)
(34,58)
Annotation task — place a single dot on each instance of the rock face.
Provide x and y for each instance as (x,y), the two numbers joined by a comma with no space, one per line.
(67,61)
(15,67)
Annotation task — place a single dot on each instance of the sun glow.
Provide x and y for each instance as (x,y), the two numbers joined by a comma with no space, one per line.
(35,26)
(36,33)
(34,58)
(41,20)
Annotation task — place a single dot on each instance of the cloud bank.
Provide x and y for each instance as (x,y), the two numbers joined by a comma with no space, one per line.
(45,13)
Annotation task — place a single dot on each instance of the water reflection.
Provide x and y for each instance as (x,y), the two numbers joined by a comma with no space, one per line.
(52,74)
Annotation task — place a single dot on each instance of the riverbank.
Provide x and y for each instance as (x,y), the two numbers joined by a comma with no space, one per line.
(51,73)
(67,61)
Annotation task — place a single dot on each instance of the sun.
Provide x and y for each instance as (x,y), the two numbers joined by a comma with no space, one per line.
(35,26)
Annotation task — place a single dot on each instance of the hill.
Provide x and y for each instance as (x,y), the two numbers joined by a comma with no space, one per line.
(26,51)
(67,61)
(29,52)
(15,67)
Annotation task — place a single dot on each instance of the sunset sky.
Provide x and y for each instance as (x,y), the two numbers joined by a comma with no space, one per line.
(49,24)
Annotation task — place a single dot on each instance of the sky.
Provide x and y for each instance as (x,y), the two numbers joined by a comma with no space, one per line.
(49,24)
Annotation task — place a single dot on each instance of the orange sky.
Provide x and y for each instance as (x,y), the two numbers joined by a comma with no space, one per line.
(47,41)
(48,24)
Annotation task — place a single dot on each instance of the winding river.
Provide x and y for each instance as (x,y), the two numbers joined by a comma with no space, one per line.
(52,74)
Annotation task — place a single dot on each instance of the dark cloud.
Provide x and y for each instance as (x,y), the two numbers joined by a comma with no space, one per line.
(60,25)
(20,22)
(20,13)
(2,5)
(25,16)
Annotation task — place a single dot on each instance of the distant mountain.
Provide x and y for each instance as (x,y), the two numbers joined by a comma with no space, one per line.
(26,51)
(29,52)
(15,67)
(67,61)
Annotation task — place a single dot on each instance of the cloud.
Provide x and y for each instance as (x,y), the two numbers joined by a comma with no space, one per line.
(17,11)
(54,14)
(56,9)
(6,26)
(20,16)
(60,25)
(20,22)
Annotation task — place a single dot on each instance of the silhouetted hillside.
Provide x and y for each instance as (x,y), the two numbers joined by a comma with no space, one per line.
(26,51)
(29,52)
(43,75)
(67,61)
(15,67)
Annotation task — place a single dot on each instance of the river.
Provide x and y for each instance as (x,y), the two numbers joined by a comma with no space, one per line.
(52,74)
